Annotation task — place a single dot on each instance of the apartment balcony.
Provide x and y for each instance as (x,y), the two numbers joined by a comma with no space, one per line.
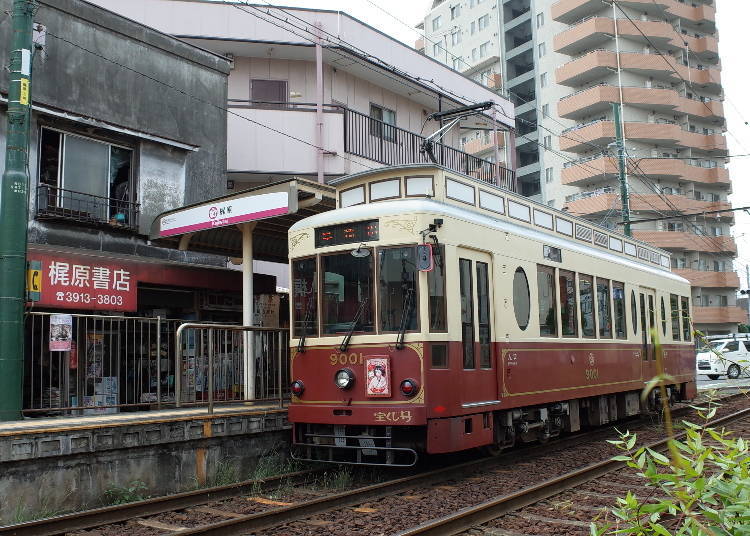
(706,47)
(591,33)
(719,315)
(570,11)
(600,98)
(598,63)
(483,145)
(701,278)
(603,167)
(601,133)
(86,209)
(605,199)
(353,142)
(688,241)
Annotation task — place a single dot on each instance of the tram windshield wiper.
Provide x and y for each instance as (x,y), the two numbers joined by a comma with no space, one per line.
(405,317)
(305,323)
(355,321)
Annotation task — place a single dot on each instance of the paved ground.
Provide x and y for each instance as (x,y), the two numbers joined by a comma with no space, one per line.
(723,383)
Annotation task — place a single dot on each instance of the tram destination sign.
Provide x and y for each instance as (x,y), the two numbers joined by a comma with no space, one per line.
(347,233)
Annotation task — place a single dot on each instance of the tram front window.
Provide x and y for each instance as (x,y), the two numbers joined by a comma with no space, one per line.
(347,283)
(305,297)
(397,289)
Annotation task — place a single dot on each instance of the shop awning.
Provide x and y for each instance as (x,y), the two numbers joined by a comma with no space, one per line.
(212,226)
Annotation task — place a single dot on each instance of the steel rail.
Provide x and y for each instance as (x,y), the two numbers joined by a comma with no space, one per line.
(122,512)
(278,516)
(471,516)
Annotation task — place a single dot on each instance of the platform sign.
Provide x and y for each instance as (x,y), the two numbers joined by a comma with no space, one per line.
(224,213)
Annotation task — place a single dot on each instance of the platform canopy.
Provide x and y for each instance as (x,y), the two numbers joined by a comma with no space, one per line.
(213,226)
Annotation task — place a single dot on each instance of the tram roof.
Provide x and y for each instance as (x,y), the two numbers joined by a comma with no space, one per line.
(212,226)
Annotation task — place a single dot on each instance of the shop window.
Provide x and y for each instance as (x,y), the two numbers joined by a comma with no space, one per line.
(521,299)
(547,301)
(85,180)
(397,284)
(436,292)
(568,302)
(384,126)
(674,306)
(604,308)
(586,294)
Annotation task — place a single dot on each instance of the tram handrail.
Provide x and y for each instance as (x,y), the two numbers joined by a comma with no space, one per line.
(211,327)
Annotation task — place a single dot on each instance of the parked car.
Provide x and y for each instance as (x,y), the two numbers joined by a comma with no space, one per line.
(724,356)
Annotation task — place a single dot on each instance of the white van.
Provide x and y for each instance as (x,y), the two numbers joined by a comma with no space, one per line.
(724,356)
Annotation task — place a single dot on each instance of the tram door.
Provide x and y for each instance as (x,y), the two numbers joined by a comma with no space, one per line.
(476,315)
(647,306)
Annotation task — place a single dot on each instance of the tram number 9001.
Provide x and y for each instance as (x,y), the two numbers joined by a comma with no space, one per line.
(346,359)
(592,374)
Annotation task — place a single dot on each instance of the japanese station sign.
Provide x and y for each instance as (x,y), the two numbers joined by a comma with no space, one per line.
(87,283)
(223,213)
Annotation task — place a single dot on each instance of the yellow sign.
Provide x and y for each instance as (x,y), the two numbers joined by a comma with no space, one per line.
(24,98)
(34,280)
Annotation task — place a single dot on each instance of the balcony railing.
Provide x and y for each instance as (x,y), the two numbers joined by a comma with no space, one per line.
(89,209)
(390,145)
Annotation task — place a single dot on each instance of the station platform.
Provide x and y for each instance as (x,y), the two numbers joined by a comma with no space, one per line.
(68,463)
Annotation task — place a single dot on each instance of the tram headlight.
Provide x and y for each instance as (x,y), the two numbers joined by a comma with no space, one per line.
(298,388)
(344,379)
(409,387)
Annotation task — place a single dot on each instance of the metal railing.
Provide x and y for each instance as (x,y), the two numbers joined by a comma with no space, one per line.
(211,360)
(390,145)
(57,203)
(122,363)
(114,363)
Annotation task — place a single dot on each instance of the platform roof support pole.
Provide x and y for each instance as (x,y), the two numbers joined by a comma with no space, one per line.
(247,309)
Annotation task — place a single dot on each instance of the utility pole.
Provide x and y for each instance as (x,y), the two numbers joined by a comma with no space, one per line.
(14,210)
(624,194)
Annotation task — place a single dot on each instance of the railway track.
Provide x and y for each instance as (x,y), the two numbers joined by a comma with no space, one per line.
(491,510)
(218,520)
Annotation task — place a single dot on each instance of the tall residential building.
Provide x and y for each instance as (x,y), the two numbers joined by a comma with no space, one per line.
(564,63)
(660,60)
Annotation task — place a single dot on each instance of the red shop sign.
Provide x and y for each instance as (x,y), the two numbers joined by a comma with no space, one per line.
(84,283)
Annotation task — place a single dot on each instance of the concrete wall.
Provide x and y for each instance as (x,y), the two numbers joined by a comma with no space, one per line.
(72,470)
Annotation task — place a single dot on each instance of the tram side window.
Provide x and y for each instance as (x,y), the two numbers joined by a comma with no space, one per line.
(651,317)
(436,292)
(483,315)
(467,312)
(674,305)
(586,292)
(685,303)
(618,297)
(521,299)
(305,297)
(545,279)
(568,316)
(604,308)
(663,318)
(634,312)
(397,288)
(644,327)
(347,293)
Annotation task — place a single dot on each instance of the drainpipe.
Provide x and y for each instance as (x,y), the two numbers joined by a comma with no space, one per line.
(319,137)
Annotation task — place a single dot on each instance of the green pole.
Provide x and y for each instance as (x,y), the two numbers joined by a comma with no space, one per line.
(14,212)
(624,195)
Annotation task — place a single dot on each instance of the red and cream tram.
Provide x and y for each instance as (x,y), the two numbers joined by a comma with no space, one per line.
(433,312)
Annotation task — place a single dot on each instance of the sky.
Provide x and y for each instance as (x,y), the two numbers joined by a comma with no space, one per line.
(397,18)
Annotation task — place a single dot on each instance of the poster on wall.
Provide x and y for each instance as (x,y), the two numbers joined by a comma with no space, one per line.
(378,376)
(60,333)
